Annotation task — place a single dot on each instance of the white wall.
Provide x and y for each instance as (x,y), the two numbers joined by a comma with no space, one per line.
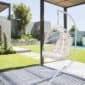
(5,27)
(30,26)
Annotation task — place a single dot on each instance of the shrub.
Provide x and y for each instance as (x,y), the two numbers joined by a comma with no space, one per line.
(14,36)
(73,28)
(1,51)
(79,43)
(6,49)
(5,44)
(26,37)
(0,43)
(9,51)
(30,36)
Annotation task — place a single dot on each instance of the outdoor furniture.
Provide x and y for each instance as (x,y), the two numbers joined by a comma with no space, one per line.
(61,48)
(64,42)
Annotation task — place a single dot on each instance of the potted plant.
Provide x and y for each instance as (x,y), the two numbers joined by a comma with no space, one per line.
(83,40)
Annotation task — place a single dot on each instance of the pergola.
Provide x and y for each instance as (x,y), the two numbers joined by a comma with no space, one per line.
(62,3)
(3,6)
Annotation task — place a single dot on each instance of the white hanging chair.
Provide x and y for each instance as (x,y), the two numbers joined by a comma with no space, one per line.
(61,48)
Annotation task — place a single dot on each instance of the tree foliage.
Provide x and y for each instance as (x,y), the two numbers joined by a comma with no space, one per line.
(54,30)
(22,16)
(73,28)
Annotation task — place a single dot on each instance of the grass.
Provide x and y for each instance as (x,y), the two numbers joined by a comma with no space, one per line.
(80,53)
(16,60)
(35,48)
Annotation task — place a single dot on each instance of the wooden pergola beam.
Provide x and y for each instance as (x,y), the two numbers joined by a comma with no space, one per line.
(9,12)
(4,6)
(65,3)
(65,18)
(4,3)
(41,30)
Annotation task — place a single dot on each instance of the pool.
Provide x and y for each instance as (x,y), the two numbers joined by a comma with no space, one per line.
(79,47)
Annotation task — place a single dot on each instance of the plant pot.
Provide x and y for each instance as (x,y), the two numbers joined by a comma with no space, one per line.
(83,41)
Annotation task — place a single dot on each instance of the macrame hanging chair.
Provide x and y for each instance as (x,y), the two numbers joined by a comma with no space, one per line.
(60,50)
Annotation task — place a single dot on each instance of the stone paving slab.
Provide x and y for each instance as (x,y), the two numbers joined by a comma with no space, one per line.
(73,67)
(38,75)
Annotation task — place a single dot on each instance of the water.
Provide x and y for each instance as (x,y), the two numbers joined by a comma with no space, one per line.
(79,47)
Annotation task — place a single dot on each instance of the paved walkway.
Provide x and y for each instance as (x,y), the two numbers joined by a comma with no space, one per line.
(75,68)
(38,75)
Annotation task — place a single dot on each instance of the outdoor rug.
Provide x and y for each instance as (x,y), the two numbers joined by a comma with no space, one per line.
(38,75)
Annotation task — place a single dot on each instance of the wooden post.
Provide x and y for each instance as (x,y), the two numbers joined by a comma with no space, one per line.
(9,15)
(41,30)
(65,18)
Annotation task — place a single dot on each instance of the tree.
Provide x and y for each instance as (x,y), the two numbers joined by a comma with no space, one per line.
(54,30)
(22,16)
(73,28)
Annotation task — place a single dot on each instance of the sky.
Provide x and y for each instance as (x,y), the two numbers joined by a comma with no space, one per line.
(78,13)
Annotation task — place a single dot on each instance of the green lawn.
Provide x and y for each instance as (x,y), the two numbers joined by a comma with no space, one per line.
(80,53)
(16,60)
(34,48)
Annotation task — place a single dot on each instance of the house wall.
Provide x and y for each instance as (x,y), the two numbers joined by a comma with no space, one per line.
(29,27)
(5,27)
(32,26)
(13,27)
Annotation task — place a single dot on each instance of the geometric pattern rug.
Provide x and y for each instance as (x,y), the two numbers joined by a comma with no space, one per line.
(38,75)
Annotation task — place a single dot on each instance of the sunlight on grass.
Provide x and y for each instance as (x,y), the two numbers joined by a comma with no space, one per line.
(80,53)
(16,60)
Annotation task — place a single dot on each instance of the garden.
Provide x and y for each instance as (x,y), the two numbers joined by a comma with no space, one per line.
(13,61)
(5,47)
(80,53)
(9,58)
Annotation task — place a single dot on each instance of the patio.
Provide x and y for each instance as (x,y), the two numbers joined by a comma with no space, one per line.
(41,74)
(38,75)
(73,67)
